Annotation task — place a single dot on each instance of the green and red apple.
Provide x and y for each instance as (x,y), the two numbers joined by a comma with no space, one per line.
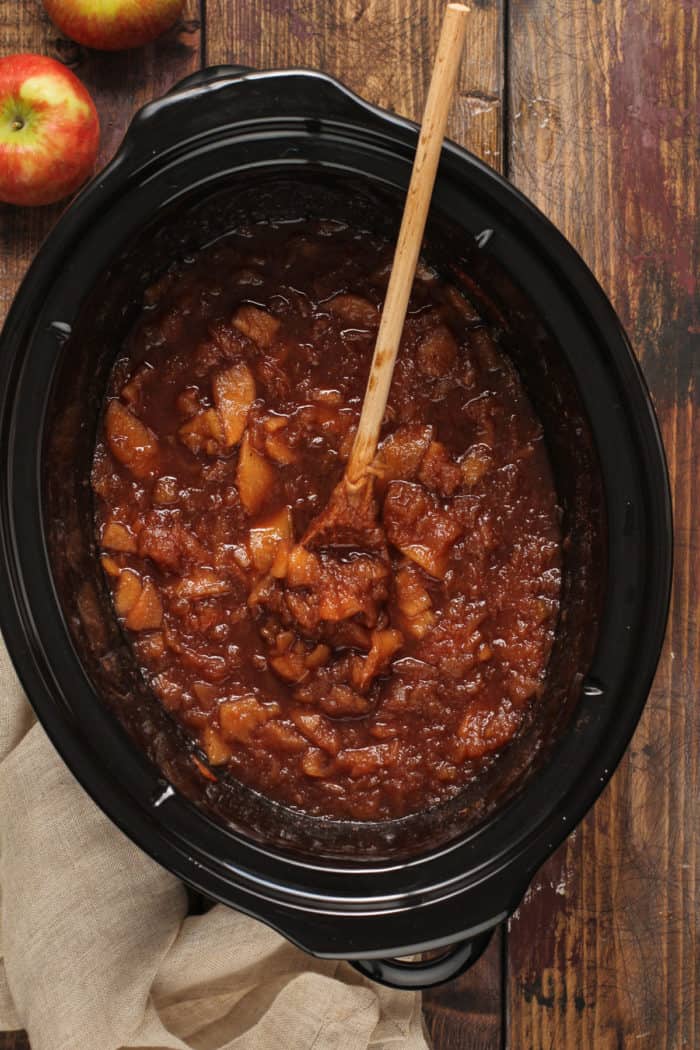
(112,25)
(49,130)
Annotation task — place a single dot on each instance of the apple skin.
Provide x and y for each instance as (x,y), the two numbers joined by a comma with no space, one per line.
(54,148)
(113,25)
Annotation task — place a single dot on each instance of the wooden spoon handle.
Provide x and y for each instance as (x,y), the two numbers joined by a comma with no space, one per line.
(408,246)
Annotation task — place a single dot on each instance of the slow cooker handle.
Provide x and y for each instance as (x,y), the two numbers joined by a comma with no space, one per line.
(415,976)
(158,127)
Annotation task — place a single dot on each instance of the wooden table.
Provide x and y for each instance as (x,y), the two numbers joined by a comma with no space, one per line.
(591,108)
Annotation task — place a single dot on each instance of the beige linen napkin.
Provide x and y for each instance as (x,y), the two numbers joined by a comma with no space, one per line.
(97,952)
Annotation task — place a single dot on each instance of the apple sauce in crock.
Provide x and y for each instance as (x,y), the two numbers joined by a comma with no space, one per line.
(359,670)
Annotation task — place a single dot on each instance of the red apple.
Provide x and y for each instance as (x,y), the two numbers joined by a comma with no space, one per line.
(111,25)
(49,130)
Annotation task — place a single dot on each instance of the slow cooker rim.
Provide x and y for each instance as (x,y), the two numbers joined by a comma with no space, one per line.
(15,325)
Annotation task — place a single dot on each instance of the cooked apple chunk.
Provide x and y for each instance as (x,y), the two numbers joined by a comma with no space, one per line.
(203,583)
(137,602)
(118,537)
(234,393)
(131,442)
(255,477)
(241,716)
(257,324)
(203,433)
(147,613)
(268,536)
(414,601)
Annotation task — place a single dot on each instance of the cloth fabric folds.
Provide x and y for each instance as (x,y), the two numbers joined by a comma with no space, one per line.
(97,951)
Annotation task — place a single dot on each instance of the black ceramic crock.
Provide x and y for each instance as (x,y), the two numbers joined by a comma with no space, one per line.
(230,146)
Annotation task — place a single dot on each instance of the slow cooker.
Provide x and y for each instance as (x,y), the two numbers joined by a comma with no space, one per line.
(231,145)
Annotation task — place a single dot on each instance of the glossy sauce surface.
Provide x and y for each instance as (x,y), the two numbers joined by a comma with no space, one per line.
(359,660)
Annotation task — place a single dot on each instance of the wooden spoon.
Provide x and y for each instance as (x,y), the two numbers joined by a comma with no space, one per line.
(408,246)
(349,517)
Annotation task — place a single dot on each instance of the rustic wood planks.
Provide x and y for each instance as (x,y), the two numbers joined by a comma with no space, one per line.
(120,83)
(382,49)
(591,107)
(603,127)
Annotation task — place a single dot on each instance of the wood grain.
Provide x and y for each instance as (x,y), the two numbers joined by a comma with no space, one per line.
(119,82)
(13,1041)
(467,1014)
(601,132)
(604,124)
(382,49)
